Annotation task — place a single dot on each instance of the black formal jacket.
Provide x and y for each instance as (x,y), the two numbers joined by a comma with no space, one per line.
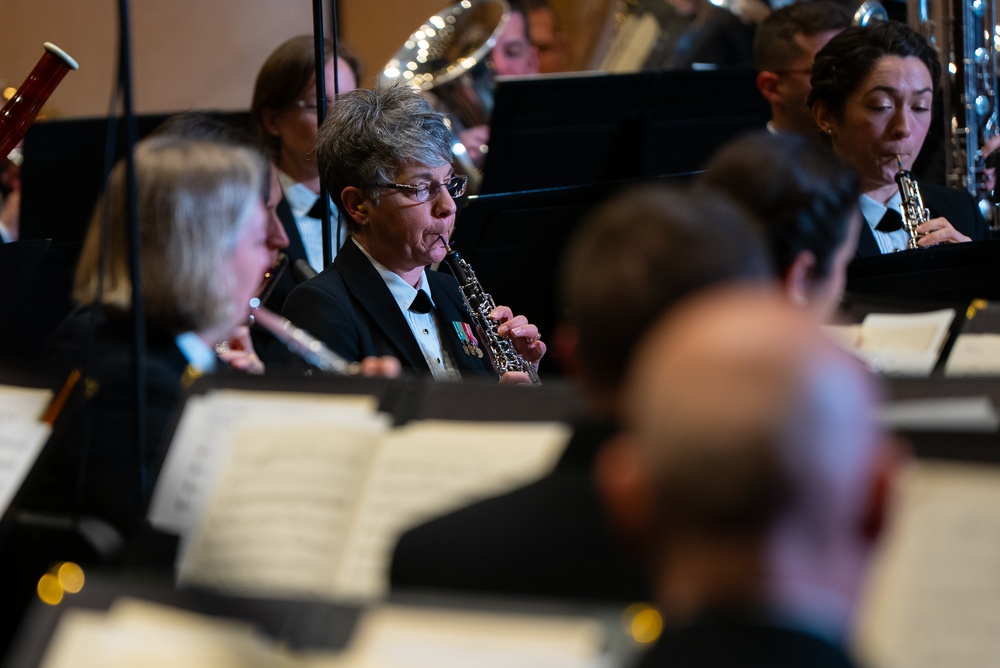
(726,642)
(101,430)
(955,205)
(349,307)
(549,538)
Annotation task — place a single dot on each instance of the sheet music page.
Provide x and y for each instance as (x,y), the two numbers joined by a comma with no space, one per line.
(974,355)
(423,637)
(136,633)
(910,331)
(203,443)
(280,513)
(21,441)
(22,403)
(429,468)
(934,595)
(952,414)
(897,344)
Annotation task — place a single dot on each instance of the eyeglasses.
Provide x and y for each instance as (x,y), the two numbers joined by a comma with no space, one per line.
(310,105)
(425,191)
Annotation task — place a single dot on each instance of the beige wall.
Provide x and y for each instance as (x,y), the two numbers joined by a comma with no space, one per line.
(198,53)
(187,53)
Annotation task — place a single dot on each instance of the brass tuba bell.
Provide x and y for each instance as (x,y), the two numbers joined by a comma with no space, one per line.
(446,58)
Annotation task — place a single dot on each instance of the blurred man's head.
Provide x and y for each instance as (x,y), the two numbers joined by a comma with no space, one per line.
(547,35)
(750,458)
(514,54)
(632,259)
(785,44)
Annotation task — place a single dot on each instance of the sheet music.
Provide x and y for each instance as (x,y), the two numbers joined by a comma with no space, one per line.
(203,443)
(429,468)
(897,344)
(934,598)
(423,637)
(137,633)
(279,516)
(22,403)
(314,511)
(20,444)
(951,414)
(974,355)
(22,436)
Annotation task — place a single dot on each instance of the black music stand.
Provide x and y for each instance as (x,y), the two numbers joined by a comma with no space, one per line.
(950,272)
(18,262)
(65,168)
(515,243)
(550,131)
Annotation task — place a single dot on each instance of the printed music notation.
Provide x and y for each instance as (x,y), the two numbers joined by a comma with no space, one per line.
(22,436)
(305,495)
(934,595)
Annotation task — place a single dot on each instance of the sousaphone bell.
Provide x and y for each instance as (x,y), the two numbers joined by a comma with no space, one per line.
(446,59)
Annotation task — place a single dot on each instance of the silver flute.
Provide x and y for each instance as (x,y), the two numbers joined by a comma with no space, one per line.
(302,343)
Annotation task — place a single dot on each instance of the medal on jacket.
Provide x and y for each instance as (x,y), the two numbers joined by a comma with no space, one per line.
(468,340)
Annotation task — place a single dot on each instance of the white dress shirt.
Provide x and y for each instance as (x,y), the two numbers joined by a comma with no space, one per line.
(301,200)
(423,325)
(888,242)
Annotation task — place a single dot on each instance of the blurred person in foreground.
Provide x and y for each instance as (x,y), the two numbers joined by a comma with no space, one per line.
(202,251)
(752,469)
(385,156)
(632,259)
(805,201)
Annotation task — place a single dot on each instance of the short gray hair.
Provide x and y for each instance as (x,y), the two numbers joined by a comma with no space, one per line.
(372,133)
(194,198)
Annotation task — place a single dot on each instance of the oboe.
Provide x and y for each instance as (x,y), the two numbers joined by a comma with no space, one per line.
(911,206)
(480,304)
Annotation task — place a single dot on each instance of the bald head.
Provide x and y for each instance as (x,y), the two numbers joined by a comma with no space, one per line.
(746,419)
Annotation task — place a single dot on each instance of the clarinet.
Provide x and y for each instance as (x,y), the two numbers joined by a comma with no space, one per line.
(911,206)
(502,353)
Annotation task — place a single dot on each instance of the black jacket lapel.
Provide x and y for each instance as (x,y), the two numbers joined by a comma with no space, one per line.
(380,310)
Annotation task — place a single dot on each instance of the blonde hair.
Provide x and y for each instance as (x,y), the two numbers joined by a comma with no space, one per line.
(193,199)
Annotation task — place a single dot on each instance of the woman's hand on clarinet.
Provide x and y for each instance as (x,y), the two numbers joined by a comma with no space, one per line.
(526,338)
(939,231)
(237,351)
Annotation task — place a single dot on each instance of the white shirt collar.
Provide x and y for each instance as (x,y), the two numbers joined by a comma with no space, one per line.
(300,198)
(402,292)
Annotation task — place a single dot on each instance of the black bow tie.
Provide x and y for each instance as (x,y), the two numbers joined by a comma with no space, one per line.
(317,209)
(890,222)
(421,303)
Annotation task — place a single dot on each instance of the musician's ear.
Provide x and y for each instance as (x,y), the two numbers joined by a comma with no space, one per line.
(800,277)
(354,203)
(824,119)
(269,119)
(767,84)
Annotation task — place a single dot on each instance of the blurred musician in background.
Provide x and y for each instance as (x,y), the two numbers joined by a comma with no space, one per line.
(514,54)
(547,35)
(784,46)
(700,32)
(632,260)
(804,199)
(752,467)
(385,157)
(202,249)
(284,115)
(872,98)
